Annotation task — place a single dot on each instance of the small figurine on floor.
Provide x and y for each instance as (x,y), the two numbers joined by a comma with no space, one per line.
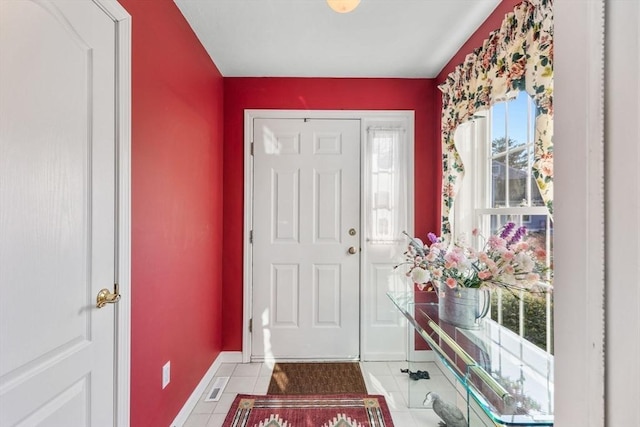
(451,415)
(418,375)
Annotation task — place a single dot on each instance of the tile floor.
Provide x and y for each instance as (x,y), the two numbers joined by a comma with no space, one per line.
(380,377)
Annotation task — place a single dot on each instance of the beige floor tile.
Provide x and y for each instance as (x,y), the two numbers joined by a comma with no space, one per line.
(224,404)
(247,369)
(197,420)
(216,420)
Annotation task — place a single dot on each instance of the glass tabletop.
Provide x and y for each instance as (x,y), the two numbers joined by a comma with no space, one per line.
(508,376)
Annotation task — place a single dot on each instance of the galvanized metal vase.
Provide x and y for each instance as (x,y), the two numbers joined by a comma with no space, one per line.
(464,307)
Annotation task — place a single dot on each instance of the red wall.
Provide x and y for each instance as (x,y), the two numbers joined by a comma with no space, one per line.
(318,94)
(177,133)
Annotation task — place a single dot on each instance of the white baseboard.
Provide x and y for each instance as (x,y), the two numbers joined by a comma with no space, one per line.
(192,401)
(383,357)
(230,357)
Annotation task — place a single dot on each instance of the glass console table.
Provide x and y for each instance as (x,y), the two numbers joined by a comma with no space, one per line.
(508,377)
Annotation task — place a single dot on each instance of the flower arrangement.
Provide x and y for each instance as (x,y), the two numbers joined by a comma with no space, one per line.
(506,260)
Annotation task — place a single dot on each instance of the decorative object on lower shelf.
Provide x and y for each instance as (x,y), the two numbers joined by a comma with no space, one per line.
(464,307)
(450,414)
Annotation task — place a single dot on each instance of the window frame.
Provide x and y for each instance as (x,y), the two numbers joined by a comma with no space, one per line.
(474,144)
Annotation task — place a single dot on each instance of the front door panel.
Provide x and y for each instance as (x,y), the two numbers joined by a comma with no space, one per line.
(306,285)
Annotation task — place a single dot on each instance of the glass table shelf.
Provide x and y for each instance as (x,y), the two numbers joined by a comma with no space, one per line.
(510,378)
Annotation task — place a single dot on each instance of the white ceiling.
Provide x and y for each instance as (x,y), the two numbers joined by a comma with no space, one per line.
(305,38)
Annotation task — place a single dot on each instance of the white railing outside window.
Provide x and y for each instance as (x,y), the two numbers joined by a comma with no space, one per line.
(533,311)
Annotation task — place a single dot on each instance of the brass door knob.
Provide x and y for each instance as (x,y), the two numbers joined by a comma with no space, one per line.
(105,296)
(352,250)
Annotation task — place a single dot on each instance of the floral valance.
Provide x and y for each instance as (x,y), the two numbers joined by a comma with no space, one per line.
(518,56)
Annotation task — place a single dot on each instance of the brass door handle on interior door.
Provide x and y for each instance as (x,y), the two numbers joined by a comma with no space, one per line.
(105,296)
(352,250)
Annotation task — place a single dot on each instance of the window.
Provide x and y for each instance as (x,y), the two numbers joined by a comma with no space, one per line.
(498,187)
(387,196)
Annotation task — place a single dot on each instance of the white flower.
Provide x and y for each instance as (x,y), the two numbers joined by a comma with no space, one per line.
(524,261)
(462,240)
(420,275)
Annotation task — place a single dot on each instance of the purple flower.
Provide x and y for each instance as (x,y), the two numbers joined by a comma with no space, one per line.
(432,238)
(520,232)
(507,230)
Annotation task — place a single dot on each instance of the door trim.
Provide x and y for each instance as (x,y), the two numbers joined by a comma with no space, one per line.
(249,115)
(122,273)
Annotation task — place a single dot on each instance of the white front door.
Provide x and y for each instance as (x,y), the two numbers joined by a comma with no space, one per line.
(306,239)
(57,213)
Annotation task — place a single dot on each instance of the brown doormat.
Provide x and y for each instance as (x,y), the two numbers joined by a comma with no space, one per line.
(316,378)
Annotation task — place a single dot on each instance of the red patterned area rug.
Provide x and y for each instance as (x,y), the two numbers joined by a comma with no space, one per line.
(346,410)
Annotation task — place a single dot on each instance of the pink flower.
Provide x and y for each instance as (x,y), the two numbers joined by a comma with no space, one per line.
(475,232)
(484,274)
(453,258)
(496,242)
(533,277)
(546,166)
(449,190)
(451,282)
(507,256)
(540,254)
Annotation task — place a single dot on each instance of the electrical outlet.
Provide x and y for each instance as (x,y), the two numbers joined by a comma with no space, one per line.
(166,374)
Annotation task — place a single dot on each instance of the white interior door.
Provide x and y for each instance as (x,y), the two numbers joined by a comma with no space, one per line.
(306,218)
(57,207)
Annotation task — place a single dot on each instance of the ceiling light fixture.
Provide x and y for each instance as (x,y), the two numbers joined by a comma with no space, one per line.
(343,6)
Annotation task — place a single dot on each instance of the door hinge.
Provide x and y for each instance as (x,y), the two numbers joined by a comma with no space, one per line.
(251,236)
(251,149)
(250,325)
